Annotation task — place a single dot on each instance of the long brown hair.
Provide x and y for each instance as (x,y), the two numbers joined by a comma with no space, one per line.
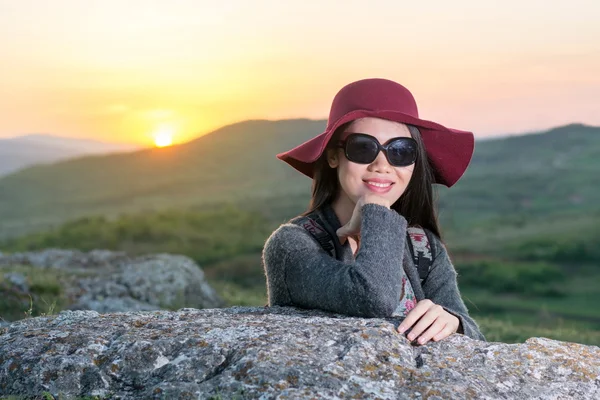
(416,203)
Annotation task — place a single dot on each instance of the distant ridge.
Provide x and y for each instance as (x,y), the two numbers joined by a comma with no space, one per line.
(65,141)
(23,151)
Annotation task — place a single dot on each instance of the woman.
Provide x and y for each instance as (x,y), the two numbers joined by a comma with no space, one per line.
(373,170)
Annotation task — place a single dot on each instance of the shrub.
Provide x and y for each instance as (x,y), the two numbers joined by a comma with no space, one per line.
(532,278)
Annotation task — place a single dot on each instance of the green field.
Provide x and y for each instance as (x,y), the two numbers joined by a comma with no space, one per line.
(528,294)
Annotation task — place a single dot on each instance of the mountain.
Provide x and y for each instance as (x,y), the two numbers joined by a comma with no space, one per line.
(517,176)
(23,151)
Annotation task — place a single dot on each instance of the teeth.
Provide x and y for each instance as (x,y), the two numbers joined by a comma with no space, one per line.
(382,185)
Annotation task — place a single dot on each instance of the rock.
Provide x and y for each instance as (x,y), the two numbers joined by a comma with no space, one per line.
(108,281)
(277,352)
(17,280)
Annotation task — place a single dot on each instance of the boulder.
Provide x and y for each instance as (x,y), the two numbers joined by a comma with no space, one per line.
(107,281)
(277,353)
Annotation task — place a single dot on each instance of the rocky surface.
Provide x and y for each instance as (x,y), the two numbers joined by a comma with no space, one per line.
(107,281)
(277,353)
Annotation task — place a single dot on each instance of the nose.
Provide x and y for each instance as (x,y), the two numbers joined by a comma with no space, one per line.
(380,164)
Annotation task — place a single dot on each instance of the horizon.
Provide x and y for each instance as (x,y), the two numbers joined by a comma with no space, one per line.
(142,146)
(125,73)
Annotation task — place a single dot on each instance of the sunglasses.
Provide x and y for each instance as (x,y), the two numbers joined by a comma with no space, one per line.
(363,149)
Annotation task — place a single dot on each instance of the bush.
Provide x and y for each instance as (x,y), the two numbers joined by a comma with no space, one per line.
(570,250)
(533,278)
(205,236)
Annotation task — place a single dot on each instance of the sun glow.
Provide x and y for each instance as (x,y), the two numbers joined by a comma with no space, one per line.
(163,137)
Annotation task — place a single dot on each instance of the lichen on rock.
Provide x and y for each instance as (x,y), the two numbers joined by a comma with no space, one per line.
(277,352)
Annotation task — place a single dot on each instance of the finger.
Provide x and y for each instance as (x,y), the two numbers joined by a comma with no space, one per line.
(444,333)
(413,315)
(426,320)
(452,323)
(347,231)
(342,233)
(433,330)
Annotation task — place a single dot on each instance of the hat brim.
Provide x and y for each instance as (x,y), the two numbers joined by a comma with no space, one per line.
(449,150)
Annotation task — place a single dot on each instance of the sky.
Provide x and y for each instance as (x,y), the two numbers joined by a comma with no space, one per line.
(127,71)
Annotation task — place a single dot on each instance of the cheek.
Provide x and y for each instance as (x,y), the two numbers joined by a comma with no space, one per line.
(350,176)
(407,173)
(404,176)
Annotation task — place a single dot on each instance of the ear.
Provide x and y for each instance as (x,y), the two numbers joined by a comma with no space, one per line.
(332,158)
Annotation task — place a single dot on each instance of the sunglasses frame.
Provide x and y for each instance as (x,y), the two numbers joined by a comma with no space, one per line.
(380,147)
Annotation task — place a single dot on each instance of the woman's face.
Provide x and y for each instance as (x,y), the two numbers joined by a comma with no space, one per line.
(378,177)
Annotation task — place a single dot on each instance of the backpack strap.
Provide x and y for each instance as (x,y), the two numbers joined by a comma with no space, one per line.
(421,245)
(315,226)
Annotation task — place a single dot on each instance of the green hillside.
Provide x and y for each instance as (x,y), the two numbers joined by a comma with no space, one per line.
(235,162)
(510,180)
(522,177)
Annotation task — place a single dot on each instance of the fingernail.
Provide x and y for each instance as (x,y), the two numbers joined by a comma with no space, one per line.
(411,336)
(401,329)
(421,340)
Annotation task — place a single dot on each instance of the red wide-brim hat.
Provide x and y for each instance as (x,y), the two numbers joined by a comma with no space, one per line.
(449,150)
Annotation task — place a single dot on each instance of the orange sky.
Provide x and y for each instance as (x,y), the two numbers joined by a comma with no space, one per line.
(122,71)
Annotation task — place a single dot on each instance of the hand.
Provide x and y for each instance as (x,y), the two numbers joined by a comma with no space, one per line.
(440,322)
(352,228)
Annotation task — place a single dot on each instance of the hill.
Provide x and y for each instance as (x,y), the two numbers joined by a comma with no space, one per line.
(525,177)
(234,162)
(517,177)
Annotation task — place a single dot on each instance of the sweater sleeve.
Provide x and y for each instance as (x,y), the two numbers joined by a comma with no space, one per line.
(301,272)
(441,287)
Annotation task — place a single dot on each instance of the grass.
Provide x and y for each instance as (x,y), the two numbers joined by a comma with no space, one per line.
(506,330)
(240,295)
(44,297)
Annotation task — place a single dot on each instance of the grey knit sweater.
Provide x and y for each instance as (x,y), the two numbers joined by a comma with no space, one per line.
(300,273)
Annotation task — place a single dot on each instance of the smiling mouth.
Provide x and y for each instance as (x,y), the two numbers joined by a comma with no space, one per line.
(379,187)
(379,184)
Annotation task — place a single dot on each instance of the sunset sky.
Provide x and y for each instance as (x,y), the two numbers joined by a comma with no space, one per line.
(124,71)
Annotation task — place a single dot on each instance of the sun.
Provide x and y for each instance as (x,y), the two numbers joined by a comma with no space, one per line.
(163,137)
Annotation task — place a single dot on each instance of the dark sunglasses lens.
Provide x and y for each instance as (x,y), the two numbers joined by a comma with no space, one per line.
(402,152)
(361,149)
